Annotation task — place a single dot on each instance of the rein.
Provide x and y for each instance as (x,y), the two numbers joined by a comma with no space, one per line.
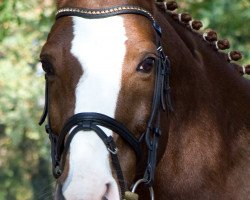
(91,121)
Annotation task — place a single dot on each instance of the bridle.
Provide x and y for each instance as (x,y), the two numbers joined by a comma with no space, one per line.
(91,121)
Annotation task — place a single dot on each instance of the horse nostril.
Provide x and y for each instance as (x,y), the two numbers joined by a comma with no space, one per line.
(105,197)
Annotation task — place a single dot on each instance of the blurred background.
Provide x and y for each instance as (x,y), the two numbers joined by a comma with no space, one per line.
(24,25)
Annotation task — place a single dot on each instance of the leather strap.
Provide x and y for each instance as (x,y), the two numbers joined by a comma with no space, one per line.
(107,140)
(108,12)
(102,120)
(46,105)
(104,12)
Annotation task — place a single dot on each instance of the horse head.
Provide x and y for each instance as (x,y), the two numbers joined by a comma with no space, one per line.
(106,82)
(109,107)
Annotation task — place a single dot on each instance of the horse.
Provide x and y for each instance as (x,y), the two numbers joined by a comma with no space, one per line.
(141,104)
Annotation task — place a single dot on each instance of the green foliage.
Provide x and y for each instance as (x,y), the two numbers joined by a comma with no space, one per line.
(23,145)
(24,25)
(231,20)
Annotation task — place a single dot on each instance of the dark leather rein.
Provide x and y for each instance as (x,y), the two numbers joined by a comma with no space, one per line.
(92,121)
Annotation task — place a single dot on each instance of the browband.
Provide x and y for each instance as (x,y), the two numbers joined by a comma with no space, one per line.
(108,12)
(104,12)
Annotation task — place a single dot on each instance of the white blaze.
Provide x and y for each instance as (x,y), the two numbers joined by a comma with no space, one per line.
(99,46)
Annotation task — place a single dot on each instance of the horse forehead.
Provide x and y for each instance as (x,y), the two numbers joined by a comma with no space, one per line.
(98,39)
(99,46)
(99,35)
(134,27)
(76,42)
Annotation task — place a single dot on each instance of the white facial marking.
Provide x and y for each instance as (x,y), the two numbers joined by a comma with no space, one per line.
(99,46)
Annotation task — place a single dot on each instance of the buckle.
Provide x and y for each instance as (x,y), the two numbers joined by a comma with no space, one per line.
(113,151)
(111,145)
(140,181)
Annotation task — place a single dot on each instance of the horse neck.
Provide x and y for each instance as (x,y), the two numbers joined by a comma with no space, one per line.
(210,99)
(211,117)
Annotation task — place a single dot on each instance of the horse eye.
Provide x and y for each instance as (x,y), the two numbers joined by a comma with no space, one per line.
(146,65)
(47,67)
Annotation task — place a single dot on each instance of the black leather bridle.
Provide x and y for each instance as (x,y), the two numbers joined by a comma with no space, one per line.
(91,121)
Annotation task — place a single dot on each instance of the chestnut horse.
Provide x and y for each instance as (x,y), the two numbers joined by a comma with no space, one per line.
(112,120)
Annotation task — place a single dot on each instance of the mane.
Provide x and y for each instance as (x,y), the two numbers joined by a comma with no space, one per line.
(209,36)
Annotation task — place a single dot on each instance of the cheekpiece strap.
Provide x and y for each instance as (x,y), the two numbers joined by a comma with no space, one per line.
(45,108)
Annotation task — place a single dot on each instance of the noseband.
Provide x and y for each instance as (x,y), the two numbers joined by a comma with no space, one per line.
(91,121)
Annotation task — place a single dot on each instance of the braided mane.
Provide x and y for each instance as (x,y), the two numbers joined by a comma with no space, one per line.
(169,7)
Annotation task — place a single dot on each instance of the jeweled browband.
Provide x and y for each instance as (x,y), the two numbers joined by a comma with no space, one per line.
(108,12)
(104,12)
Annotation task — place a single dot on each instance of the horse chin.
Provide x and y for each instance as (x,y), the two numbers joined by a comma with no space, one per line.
(109,194)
